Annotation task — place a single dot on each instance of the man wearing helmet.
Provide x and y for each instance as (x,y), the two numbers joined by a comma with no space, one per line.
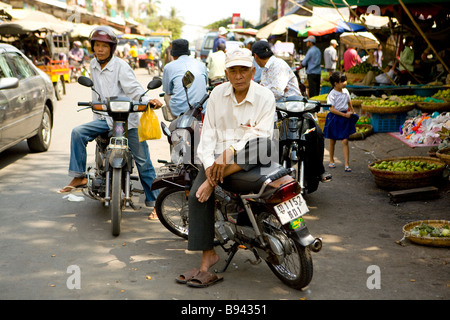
(112,76)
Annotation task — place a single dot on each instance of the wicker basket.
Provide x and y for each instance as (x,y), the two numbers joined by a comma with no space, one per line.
(428,241)
(444,155)
(355,77)
(397,180)
(360,135)
(356,103)
(378,109)
(431,107)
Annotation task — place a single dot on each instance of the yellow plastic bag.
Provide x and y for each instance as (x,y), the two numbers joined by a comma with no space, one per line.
(149,128)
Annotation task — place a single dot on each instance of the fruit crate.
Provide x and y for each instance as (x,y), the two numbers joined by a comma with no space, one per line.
(387,122)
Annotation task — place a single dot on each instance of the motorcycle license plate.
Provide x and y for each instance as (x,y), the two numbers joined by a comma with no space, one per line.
(291,209)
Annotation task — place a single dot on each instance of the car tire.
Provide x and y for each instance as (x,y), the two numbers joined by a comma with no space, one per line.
(59,89)
(41,141)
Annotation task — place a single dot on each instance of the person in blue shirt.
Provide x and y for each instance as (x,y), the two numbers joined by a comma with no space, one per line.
(174,71)
(312,64)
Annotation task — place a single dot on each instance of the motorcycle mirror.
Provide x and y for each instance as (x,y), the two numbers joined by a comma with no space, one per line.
(155,83)
(85,81)
(165,130)
(188,79)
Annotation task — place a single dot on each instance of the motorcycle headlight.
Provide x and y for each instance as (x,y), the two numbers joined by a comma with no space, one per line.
(119,106)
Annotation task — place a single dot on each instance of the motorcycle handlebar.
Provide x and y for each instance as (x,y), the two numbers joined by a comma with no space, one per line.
(84,104)
(205,97)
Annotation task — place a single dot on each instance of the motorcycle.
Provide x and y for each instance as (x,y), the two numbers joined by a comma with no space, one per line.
(133,62)
(299,143)
(178,174)
(262,212)
(110,180)
(154,66)
(77,70)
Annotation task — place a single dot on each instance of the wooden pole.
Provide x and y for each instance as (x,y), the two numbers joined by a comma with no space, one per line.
(423,34)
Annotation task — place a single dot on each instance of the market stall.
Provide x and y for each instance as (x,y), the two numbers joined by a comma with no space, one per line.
(45,40)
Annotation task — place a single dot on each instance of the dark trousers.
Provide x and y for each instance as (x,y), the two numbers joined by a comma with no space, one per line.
(314,84)
(201,215)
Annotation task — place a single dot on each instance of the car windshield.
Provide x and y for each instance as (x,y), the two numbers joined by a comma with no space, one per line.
(209,42)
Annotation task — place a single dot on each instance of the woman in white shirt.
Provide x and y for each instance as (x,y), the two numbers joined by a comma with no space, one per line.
(340,121)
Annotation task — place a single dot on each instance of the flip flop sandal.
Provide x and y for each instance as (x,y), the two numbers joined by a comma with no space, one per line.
(153,216)
(332,165)
(204,279)
(325,177)
(185,277)
(348,169)
(71,188)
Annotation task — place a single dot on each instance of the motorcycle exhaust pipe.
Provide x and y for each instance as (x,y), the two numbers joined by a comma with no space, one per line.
(316,246)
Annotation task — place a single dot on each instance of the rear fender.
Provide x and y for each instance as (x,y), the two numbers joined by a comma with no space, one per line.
(302,235)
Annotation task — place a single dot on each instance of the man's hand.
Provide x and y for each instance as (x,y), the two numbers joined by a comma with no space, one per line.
(214,174)
(155,104)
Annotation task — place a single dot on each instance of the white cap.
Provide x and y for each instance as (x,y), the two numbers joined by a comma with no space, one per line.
(239,57)
(334,42)
(222,31)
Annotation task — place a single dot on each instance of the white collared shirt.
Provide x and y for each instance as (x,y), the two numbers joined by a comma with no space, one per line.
(116,79)
(279,78)
(228,123)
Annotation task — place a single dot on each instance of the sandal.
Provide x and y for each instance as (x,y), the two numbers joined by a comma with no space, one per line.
(187,276)
(71,188)
(348,169)
(153,215)
(332,165)
(204,279)
(325,177)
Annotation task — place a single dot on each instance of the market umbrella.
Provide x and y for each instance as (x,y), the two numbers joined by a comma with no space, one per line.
(328,27)
(279,26)
(360,39)
(131,36)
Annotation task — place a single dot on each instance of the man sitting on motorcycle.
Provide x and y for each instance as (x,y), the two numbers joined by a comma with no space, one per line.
(238,111)
(76,55)
(112,77)
(175,97)
(277,76)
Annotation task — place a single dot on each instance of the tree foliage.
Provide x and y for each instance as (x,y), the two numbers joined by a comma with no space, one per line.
(225,22)
(171,23)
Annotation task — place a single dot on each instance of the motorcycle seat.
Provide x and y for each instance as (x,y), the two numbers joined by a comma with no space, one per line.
(245,182)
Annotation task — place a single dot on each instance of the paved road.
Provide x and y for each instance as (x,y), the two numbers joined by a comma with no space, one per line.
(45,240)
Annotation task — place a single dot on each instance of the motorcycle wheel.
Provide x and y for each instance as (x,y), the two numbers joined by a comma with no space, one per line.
(296,270)
(116,201)
(172,209)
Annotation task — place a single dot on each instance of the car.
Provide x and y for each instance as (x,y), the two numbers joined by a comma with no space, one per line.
(27,102)
(208,42)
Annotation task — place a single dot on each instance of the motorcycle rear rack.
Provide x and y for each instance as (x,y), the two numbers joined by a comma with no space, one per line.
(118,143)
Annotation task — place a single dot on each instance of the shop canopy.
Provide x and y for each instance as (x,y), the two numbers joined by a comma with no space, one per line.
(279,26)
(365,3)
(364,40)
(328,27)
(24,21)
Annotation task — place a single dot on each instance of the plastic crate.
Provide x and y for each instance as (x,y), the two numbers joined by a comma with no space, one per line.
(324,90)
(387,122)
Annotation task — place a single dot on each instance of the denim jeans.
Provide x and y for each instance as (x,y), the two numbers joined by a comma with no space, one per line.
(87,132)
